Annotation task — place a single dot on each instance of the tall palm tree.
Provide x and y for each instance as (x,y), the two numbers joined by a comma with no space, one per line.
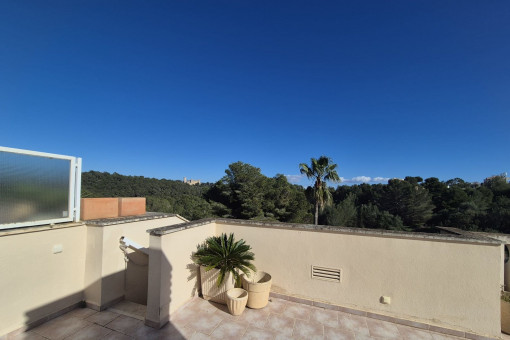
(321,170)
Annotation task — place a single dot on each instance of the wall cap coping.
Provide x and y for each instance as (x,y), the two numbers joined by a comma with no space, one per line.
(39,228)
(462,238)
(101,222)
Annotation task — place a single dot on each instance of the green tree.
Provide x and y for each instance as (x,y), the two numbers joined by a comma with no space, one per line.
(247,194)
(285,202)
(321,170)
(369,216)
(498,184)
(437,190)
(246,187)
(343,214)
(498,217)
(409,201)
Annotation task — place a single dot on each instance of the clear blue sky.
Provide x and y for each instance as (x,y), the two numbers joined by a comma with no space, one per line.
(169,89)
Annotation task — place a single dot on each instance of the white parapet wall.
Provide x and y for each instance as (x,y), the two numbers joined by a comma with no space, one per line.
(105,263)
(446,281)
(172,274)
(41,273)
(48,270)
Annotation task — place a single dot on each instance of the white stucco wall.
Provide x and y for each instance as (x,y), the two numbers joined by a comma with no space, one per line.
(449,284)
(35,282)
(172,274)
(444,282)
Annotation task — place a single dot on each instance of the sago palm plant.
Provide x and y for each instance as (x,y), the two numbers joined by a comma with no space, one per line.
(227,255)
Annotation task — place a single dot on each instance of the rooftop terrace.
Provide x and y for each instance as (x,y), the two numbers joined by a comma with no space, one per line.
(440,284)
(136,277)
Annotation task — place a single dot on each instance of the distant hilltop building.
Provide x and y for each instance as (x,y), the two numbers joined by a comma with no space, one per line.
(503,176)
(191,181)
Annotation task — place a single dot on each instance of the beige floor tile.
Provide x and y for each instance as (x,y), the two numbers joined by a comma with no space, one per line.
(229,330)
(298,311)
(438,336)
(333,333)
(102,318)
(144,332)
(354,323)
(201,305)
(383,329)
(114,335)
(200,336)
(200,319)
(205,322)
(366,337)
(276,306)
(61,327)
(308,330)
(90,332)
(285,337)
(325,316)
(255,317)
(124,324)
(80,313)
(170,331)
(411,333)
(130,308)
(281,324)
(224,313)
(25,336)
(254,333)
(183,317)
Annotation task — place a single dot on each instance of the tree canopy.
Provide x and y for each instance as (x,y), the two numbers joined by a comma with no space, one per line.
(411,204)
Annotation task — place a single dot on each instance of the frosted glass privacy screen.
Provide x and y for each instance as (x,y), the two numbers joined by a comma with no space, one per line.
(34,188)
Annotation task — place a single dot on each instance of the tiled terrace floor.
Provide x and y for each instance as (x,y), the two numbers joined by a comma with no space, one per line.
(200,319)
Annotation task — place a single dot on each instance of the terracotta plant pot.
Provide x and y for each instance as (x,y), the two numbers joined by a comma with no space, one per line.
(236,300)
(258,286)
(210,291)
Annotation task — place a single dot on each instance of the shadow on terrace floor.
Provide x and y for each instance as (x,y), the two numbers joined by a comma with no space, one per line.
(86,323)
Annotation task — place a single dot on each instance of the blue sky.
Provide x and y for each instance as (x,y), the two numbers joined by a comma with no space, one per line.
(169,89)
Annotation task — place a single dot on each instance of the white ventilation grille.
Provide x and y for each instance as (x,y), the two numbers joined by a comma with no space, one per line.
(328,274)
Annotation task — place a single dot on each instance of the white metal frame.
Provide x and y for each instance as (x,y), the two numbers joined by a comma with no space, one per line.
(74,188)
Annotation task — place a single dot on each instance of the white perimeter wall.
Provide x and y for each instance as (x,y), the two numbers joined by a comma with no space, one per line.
(448,284)
(35,282)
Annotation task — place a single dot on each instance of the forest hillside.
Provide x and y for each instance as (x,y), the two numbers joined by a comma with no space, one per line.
(244,192)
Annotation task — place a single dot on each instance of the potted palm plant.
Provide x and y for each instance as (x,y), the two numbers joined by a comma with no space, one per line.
(221,260)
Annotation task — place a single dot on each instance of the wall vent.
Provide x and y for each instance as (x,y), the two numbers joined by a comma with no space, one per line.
(328,274)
